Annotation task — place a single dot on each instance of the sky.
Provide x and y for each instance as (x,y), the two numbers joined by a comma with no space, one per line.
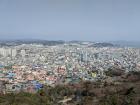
(90,20)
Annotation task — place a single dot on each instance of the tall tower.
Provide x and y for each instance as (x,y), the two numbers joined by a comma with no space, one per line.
(2,51)
(13,52)
(82,56)
(86,57)
(23,53)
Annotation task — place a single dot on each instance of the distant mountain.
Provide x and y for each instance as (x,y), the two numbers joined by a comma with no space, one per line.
(135,44)
(102,45)
(19,42)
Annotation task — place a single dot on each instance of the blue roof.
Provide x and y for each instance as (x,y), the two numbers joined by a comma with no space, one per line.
(1,66)
(10,75)
(38,86)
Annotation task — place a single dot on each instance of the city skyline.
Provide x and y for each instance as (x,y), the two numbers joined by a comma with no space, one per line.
(70,20)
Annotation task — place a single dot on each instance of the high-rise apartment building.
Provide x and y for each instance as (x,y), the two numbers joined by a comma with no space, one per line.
(8,52)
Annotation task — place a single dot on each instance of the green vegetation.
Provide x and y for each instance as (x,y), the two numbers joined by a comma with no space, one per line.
(46,96)
(8,67)
(114,72)
(82,93)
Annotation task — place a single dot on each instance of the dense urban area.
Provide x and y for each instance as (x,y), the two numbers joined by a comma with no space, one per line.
(69,73)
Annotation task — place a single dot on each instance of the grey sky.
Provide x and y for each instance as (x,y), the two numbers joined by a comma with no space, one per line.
(70,19)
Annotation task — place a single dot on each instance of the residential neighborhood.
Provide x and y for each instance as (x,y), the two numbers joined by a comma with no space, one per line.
(28,67)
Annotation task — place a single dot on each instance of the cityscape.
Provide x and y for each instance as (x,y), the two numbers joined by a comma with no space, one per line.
(69,52)
(30,67)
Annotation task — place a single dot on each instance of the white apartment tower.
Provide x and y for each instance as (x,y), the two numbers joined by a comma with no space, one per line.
(8,52)
(23,53)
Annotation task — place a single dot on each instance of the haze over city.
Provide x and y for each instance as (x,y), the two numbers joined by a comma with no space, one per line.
(94,20)
(69,52)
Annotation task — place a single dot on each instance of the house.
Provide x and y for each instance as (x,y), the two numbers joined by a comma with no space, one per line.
(13,87)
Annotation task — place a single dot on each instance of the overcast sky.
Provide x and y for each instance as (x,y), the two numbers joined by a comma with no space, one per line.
(94,20)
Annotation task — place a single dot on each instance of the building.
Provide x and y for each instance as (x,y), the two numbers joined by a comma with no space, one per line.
(23,53)
(5,52)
